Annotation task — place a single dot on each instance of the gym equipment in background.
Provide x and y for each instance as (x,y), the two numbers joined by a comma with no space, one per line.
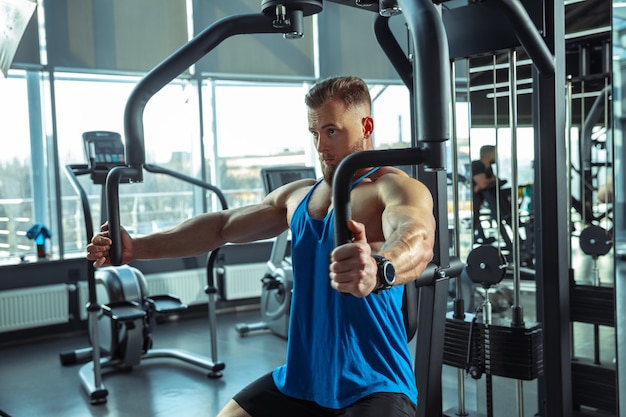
(480,345)
(121,313)
(278,280)
(593,303)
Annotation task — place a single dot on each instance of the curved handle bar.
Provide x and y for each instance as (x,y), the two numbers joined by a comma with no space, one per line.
(156,79)
(191,180)
(114,178)
(394,52)
(112,189)
(345,172)
(72,171)
(528,36)
(431,70)
(174,65)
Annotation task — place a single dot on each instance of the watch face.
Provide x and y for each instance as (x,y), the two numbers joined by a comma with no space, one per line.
(386,274)
(389,273)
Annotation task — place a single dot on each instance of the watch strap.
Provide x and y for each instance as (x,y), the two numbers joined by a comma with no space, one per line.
(381,280)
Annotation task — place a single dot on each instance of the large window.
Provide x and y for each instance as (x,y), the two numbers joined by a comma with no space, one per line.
(223,131)
(246,126)
(16,197)
(259,125)
(256,125)
(170,128)
(392,116)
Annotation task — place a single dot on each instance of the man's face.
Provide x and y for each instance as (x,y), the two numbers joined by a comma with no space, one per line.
(338,132)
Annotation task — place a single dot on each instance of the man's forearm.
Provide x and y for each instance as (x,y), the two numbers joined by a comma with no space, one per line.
(193,237)
(410,249)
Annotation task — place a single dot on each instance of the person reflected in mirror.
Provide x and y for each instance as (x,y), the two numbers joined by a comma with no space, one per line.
(486,188)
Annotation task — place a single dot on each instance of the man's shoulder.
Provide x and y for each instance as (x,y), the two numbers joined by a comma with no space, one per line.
(288,193)
(298,188)
(394,180)
(388,172)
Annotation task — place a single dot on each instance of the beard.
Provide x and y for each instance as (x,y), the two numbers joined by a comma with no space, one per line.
(329,170)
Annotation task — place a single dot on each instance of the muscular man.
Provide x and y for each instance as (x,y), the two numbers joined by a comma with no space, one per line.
(346,355)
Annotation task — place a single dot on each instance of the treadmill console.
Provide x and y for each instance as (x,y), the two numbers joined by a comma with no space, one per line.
(103,150)
(278,176)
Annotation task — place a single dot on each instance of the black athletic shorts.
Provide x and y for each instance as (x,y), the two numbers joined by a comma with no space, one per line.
(262,399)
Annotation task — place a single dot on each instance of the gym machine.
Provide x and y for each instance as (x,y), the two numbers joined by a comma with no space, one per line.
(278,280)
(594,299)
(594,379)
(426,74)
(121,313)
(431,98)
(584,205)
(593,303)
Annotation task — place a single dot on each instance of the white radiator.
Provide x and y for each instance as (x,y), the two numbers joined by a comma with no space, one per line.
(188,285)
(25,308)
(243,281)
(240,282)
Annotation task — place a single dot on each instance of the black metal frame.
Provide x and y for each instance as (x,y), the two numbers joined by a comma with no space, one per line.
(427,77)
(553,274)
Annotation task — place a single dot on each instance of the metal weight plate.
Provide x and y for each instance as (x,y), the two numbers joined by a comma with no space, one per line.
(595,241)
(486,265)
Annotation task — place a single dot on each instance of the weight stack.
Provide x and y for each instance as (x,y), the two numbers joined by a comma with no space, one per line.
(498,349)
(592,304)
(456,343)
(594,386)
(514,351)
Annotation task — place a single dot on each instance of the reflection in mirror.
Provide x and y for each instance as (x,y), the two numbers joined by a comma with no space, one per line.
(619,75)
(591,153)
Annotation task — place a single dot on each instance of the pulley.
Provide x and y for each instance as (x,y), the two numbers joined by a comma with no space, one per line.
(595,241)
(308,7)
(486,265)
(288,14)
(386,8)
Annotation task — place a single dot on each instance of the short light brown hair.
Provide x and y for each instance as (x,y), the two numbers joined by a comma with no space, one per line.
(353,91)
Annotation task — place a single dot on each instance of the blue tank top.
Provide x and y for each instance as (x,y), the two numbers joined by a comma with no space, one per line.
(340,348)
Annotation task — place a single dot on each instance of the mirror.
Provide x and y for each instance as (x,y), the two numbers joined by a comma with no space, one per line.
(618,93)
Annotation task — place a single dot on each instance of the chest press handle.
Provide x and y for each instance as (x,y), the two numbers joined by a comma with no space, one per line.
(343,181)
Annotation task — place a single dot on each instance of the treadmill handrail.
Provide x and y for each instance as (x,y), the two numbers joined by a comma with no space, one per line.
(191,180)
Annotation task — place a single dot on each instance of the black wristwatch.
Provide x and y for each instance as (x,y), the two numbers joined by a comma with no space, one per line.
(386,275)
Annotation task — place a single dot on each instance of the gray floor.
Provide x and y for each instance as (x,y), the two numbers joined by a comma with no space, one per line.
(33,383)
